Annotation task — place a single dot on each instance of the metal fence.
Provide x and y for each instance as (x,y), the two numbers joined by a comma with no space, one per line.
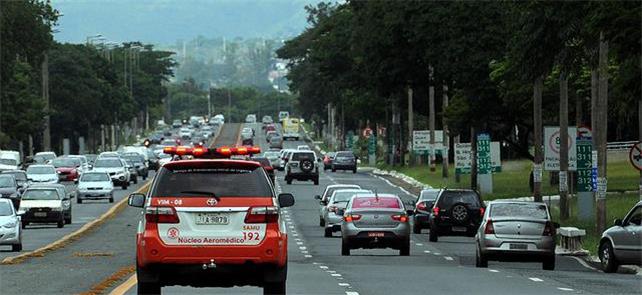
(620,145)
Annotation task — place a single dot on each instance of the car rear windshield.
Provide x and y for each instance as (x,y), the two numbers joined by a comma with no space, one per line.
(222,182)
(41,194)
(20,176)
(66,162)
(345,155)
(302,156)
(374,202)
(112,162)
(41,170)
(7,181)
(344,196)
(11,162)
(429,194)
(95,177)
(331,190)
(5,209)
(449,198)
(518,210)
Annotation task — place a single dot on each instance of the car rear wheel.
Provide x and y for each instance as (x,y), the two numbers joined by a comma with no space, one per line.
(316,180)
(328,232)
(275,288)
(480,259)
(405,249)
(68,220)
(16,247)
(79,200)
(61,223)
(345,248)
(416,229)
(334,169)
(321,221)
(288,180)
(607,258)
(549,263)
(24,224)
(354,170)
(148,288)
(124,186)
(433,235)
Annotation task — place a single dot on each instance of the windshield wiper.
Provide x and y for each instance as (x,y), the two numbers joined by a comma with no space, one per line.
(211,194)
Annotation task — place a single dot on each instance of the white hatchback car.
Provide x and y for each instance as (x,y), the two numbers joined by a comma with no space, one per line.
(42,174)
(10,231)
(94,186)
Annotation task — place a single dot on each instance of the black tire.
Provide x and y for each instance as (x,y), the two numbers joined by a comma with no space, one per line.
(480,259)
(549,263)
(459,213)
(136,180)
(328,232)
(321,222)
(145,177)
(124,186)
(334,169)
(405,249)
(434,237)
(16,247)
(68,220)
(288,181)
(316,180)
(24,224)
(111,199)
(148,288)
(607,258)
(307,166)
(78,200)
(354,171)
(345,248)
(276,288)
(61,223)
(416,229)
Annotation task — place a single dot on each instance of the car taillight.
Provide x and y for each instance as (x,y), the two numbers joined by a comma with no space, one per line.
(489,229)
(262,214)
(482,211)
(161,215)
(422,206)
(435,211)
(400,217)
(351,217)
(549,230)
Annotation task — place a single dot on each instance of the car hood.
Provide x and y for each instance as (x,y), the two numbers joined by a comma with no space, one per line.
(7,190)
(40,203)
(7,219)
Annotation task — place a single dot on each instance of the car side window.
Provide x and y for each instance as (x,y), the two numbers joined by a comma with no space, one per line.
(636,216)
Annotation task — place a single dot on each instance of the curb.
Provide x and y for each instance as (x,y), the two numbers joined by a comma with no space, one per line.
(62,242)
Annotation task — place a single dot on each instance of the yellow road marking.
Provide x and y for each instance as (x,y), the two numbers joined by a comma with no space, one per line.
(125,286)
(60,243)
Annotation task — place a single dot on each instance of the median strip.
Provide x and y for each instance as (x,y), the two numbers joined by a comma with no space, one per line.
(111,280)
(69,238)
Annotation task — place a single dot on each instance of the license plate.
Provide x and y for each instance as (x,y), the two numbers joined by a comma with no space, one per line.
(376,235)
(518,246)
(212,218)
(40,214)
(459,228)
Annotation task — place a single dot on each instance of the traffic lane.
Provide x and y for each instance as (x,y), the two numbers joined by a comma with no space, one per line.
(39,235)
(383,271)
(569,273)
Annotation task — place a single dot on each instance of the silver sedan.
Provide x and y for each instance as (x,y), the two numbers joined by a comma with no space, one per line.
(516,231)
(331,214)
(375,221)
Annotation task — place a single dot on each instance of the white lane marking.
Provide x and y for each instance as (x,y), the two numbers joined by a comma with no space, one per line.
(493,270)
(336,274)
(394,185)
(302,248)
(323,267)
(297,239)
(308,256)
(564,289)
(299,243)
(304,252)
(315,263)
(448,258)
(536,279)
(583,263)
(420,244)
(344,284)
(352,293)
(426,251)
(437,253)
(331,271)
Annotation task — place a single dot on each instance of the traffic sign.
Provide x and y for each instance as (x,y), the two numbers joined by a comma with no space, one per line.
(635,155)
(584,164)
(421,140)
(552,148)
(484,165)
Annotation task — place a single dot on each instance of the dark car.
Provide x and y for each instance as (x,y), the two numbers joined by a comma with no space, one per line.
(21,178)
(423,208)
(344,161)
(457,212)
(138,162)
(9,189)
(152,162)
(265,162)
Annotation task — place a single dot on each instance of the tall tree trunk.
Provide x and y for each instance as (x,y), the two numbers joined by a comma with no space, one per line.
(431,119)
(411,124)
(473,158)
(563,175)
(640,126)
(602,127)
(46,136)
(537,140)
(445,154)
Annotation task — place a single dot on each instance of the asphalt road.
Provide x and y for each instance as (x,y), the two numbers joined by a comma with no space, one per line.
(316,265)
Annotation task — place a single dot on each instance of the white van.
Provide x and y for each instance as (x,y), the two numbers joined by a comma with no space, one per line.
(10,160)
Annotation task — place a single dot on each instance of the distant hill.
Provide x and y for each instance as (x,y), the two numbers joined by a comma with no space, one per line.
(166,21)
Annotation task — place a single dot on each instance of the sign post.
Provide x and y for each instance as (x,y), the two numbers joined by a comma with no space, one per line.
(585,202)
(484,164)
(372,150)
(635,155)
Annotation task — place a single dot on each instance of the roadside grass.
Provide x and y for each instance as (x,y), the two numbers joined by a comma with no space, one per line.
(513,181)
(617,206)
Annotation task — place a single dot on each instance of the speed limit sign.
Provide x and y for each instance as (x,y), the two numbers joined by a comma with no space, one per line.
(635,155)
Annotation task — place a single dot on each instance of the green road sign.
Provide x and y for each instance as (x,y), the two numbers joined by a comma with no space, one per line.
(484,164)
(584,148)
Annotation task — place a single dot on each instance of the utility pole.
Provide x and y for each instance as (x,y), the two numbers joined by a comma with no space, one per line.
(640,130)
(601,120)
(537,134)
(563,175)
(411,124)
(229,105)
(46,136)
(431,119)
(444,154)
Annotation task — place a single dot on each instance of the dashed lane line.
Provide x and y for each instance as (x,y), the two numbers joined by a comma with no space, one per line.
(448,258)
(564,289)
(493,270)
(536,279)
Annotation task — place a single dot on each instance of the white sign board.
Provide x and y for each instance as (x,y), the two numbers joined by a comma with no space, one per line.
(552,148)
(421,140)
(463,157)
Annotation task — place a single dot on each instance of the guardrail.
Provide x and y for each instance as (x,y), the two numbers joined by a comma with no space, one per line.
(620,146)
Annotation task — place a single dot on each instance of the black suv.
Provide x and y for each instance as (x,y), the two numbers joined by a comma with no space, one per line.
(456,213)
(302,165)
(344,161)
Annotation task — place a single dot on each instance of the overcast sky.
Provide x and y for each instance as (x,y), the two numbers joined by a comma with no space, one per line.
(165,21)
